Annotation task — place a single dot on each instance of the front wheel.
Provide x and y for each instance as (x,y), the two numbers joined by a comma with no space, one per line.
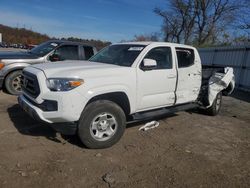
(216,106)
(13,83)
(102,124)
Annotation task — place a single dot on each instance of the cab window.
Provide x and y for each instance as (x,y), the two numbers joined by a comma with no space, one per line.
(88,51)
(67,52)
(162,56)
(185,57)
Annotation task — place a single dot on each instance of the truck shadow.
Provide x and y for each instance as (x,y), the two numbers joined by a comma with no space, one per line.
(241,95)
(27,126)
(156,118)
(75,140)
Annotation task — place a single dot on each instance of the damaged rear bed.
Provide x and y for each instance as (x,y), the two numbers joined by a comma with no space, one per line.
(215,79)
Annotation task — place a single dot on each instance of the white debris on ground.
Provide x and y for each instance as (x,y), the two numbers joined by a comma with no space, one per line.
(149,125)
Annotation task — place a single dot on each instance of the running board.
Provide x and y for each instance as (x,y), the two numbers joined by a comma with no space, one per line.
(162,111)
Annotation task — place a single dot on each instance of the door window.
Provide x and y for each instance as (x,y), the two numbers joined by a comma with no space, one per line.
(185,57)
(89,52)
(67,52)
(162,56)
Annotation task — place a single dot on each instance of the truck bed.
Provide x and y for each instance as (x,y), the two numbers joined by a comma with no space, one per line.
(214,80)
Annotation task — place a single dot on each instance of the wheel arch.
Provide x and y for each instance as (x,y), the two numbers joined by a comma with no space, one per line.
(229,89)
(120,98)
(10,68)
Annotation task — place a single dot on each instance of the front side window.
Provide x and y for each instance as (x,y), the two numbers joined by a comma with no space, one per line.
(120,54)
(162,56)
(67,52)
(185,57)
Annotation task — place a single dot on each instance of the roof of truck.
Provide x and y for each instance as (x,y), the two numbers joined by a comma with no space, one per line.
(146,43)
(69,42)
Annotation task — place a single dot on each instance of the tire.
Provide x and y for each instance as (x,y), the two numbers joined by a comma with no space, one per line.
(12,83)
(216,106)
(101,125)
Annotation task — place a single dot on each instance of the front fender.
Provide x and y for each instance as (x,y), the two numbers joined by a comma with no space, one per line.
(12,67)
(105,89)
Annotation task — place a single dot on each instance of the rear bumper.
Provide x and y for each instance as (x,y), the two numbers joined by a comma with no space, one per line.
(67,128)
(1,82)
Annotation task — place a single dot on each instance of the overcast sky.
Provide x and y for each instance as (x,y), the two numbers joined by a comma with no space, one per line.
(111,20)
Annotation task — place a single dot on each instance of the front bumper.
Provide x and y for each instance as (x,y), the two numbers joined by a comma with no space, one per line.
(28,109)
(1,82)
(61,110)
(62,126)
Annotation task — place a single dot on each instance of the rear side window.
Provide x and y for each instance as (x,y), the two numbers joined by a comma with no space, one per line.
(185,57)
(67,52)
(162,56)
(88,51)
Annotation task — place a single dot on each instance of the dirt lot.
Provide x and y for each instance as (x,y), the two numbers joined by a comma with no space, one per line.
(188,149)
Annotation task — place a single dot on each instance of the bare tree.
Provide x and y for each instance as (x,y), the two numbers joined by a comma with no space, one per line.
(179,20)
(244,20)
(147,37)
(213,16)
(197,21)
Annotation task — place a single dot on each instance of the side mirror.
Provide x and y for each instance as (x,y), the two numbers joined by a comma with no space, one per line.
(149,64)
(54,57)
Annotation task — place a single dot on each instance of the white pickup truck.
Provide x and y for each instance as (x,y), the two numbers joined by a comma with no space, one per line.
(122,83)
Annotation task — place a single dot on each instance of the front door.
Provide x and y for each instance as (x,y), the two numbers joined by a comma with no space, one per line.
(156,87)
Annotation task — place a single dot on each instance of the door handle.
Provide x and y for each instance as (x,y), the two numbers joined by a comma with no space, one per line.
(172,76)
(194,74)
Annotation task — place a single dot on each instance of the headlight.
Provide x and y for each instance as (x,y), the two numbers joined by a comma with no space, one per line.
(1,65)
(63,84)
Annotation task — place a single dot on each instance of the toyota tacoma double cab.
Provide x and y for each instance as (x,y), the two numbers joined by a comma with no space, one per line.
(12,63)
(124,82)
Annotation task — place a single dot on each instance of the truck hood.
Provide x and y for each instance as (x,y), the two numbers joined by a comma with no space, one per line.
(74,68)
(17,55)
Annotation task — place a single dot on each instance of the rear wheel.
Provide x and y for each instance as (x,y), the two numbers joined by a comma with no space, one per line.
(216,106)
(13,83)
(102,124)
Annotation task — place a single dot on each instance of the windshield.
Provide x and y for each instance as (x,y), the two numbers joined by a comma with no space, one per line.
(44,48)
(120,54)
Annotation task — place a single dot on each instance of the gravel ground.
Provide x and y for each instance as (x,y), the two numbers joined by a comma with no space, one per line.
(188,149)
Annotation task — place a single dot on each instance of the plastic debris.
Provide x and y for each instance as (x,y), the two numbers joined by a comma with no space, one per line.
(149,125)
(108,178)
(98,155)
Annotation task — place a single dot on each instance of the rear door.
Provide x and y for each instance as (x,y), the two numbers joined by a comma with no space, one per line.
(189,75)
(156,87)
